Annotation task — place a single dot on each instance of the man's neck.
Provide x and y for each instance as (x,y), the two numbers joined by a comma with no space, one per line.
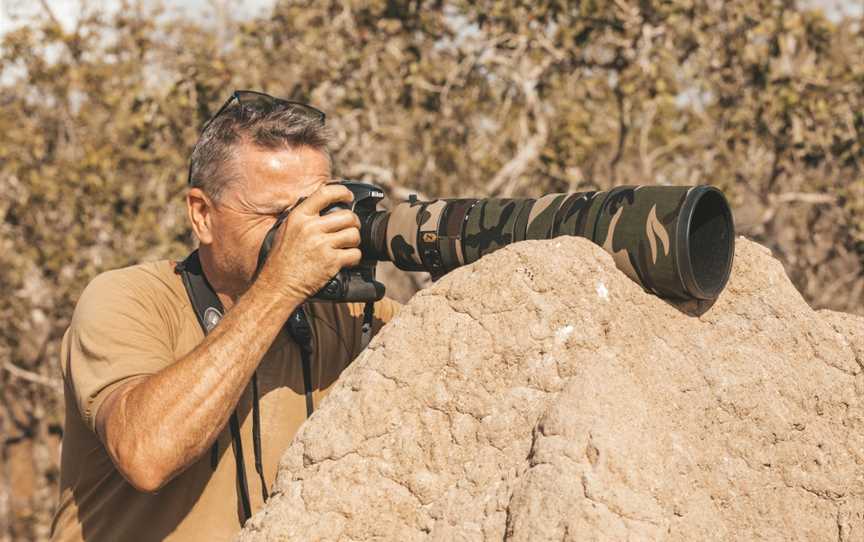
(225,295)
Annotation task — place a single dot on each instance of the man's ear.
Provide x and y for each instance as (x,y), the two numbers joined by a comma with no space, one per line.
(199,207)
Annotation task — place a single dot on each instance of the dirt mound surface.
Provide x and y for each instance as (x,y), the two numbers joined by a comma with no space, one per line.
(540,394)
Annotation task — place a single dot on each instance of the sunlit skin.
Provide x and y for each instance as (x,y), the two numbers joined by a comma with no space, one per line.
(156,426)
(232,230)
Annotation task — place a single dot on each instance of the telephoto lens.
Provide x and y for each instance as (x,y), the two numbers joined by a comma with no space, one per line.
(674,241)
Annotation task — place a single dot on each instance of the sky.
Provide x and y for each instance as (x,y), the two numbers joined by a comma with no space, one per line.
(836,9)
(14,13)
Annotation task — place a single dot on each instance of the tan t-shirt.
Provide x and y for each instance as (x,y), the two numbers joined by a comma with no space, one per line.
(136,321)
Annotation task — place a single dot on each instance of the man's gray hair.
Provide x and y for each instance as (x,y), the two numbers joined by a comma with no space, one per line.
(213,164)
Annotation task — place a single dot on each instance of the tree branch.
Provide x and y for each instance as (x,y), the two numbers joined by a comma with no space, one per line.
(50,13)
(622,134)
(504,181)
(29,376)
(804,197)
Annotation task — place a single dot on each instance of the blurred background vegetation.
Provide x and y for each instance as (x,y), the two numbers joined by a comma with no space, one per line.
(444,97)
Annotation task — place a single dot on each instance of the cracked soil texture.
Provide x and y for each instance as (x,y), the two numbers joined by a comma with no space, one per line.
(539,394)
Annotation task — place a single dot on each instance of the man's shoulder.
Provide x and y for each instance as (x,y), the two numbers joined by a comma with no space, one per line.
(144,283)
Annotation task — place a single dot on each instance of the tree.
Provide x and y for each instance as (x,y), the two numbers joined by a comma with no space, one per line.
(446,97)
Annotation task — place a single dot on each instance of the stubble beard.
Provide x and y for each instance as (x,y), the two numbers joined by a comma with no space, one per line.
(236,274)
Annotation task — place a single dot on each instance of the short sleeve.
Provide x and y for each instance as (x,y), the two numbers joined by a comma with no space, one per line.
(117,332)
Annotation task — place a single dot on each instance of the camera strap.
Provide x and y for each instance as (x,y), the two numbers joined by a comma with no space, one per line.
(209,311)
(298,323)
(366,329)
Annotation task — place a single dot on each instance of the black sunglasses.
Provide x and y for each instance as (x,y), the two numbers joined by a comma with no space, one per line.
(260,102)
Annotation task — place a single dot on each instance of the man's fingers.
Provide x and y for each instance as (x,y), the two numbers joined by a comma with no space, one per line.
(325,196)
(347,238)
(350,257)
(339,220)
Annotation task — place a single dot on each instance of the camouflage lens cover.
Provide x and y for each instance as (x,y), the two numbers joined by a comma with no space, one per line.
(402,229)
(675,241)
(636,225)
(490,226)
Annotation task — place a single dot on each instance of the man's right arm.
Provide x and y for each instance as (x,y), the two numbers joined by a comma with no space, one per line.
(155,426)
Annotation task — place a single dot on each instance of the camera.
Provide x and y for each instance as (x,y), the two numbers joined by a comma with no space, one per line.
(356,283)
(351,283)
(674,241)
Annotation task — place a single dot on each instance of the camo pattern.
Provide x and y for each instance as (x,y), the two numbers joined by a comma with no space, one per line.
(490,226)
(637,225)
(572,217)
(402,231)
(542,216)
(450,232)
(427,236)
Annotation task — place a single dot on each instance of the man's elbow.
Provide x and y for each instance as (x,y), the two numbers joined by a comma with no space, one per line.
(143,472)
(145,482)
(136,456)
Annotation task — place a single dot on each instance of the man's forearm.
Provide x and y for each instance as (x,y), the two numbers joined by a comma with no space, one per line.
(157,426)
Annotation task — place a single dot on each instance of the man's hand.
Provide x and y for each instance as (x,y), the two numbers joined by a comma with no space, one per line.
(309,249)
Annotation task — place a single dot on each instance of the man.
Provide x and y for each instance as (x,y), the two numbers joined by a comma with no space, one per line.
(147,451)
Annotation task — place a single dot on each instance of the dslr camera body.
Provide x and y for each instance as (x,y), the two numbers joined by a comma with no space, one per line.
(351,284)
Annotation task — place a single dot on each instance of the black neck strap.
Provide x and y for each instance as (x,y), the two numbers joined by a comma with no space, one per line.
(298,323)
(209,310)
(205,302)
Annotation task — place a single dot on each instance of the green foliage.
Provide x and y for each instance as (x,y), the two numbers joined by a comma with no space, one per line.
(447,97)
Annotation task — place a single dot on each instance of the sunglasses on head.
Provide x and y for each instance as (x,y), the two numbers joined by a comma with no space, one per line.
(264,103)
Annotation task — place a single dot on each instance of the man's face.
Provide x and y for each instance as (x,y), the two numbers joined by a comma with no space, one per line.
(271,181)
